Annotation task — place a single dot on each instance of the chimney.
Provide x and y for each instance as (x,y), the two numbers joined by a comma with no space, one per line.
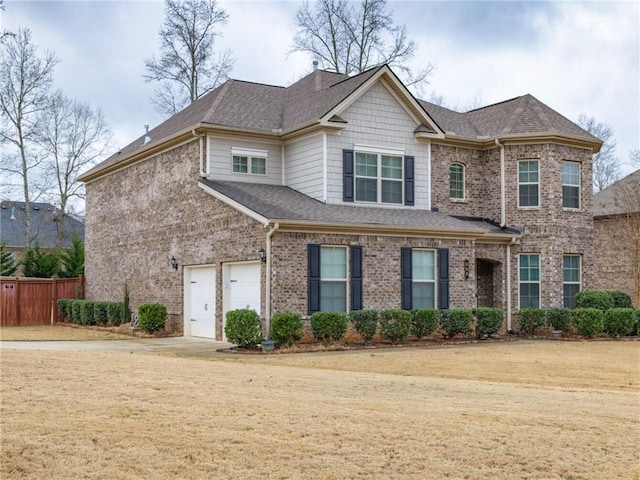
(315,65)
(147,137)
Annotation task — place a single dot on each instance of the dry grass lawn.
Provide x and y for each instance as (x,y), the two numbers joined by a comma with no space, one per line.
(522,410)
(58,332)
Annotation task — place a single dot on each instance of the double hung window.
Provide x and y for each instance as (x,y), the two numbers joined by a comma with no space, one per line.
(571,268)
(252,162)
(423,290)
(456,182)
(333,279)
(378,178)
(529,280)
(528,183)
(571,185)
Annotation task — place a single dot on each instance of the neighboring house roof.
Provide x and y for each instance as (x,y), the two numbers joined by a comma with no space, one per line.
(278,204)
(621,197)
(44,225)
(255,108)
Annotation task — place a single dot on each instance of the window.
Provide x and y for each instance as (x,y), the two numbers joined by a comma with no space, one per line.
(253,162)
(333,279)
(456,181)
(423,290)
(571,185)
(378,178)
(528,178)
(571,268)
(529,280)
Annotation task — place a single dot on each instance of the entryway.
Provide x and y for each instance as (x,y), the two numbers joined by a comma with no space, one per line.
(241,287)
(486,288)
(200,301)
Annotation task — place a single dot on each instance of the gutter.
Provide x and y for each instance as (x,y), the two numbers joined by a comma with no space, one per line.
(267,314)
(508,286)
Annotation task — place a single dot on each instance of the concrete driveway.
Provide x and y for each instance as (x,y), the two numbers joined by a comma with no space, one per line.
(189,346)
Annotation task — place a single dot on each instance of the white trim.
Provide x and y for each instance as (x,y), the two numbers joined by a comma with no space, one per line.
(232,203)
(464,183)
(539,282)
(428,176)
(186,305)
(325,168)
(379,150)
(529,207)
(379,178)
(247,152)
(578,186)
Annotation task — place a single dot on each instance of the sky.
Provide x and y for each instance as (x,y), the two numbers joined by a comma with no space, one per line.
(576,57)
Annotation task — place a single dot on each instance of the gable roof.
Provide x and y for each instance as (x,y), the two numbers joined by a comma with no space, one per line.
(272,204)
(44,225)
(619,198)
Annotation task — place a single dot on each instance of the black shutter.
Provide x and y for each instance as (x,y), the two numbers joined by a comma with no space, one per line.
(313,273)
(356,278)
(408,180)
(443,278)
(406,276)
(347,175)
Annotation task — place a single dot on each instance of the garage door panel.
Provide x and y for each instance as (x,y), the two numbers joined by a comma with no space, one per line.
(202,302)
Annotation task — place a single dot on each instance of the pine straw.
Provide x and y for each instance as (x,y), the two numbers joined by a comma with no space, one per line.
(69,415)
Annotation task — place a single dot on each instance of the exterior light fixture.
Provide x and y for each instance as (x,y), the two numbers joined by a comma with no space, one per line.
(466,269)
(174,263)
(263,255)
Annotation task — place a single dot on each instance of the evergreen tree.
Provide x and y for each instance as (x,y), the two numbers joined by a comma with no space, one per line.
(73,260)
(40,264)
(8,265)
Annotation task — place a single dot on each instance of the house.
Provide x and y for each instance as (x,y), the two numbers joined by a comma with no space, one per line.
(342,193)
(44,228)
(616,230)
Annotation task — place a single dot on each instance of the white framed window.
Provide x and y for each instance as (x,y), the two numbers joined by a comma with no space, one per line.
(571,279)
(571,185)
(423,288)
(253,162)
(529,280)
(333,279)
(379,177)
(528,183)
(456,181)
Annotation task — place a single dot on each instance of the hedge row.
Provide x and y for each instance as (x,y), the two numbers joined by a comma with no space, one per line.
(602,300)
(85,312)
(587,321)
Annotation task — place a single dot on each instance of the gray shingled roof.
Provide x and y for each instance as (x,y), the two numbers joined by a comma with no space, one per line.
(279,203)
(619,198)
(44,225)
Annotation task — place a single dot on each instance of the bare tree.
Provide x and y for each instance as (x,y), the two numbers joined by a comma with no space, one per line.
(188,67)
(627,199)
(4,33)
(606,165)
(25,80)
(634,157)
(350,38)
(74,137)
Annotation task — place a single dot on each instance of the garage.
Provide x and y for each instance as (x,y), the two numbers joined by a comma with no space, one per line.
(200,301)
(241,283)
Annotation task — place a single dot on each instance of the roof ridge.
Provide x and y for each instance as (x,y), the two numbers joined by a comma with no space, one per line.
(223,90)
(495,104)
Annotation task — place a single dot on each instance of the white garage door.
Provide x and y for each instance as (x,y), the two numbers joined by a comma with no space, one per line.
(201,301)
(242,286)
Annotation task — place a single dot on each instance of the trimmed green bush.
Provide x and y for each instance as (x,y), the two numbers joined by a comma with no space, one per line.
(594,299)
(621,300)
(489,321)
(86,313)
(114,313)
(636,323)
(588,322)
(286,328)
(64,308)
(559,318)
(75,311)
(100,312)
(456,321)
(152,317)
(395,325)
(365,323)
(424,321)
(531,319)
(243,328)
(329,326)
(618,322)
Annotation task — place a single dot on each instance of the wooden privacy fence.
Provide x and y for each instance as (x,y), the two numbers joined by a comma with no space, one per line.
(34,301)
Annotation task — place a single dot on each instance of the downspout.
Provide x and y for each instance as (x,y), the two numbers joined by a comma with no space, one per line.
(325,166)
(267,314)
(513,241)
(503,207)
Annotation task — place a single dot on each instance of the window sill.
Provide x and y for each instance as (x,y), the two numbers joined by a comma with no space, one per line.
(458,200)
(575,210)
(529,208)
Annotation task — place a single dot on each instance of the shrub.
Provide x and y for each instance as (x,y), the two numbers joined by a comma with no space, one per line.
(243,328)
(86,313)
(619,322)
(455,321)
(75,311)
(100,312)
(424,321)
(588,321)
(365,323)
(64,308)
(114,313)
(621,300)
(489,321)
(126,307)
(395,325)
(636,324)
(326,326)
(286,328)
(594,299)
(559,318)
(152,316)
(532,319)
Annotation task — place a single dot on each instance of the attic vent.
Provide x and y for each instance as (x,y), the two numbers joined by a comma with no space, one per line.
(36,208)
(147,137)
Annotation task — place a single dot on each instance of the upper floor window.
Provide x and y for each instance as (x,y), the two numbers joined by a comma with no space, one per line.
(529,280)
(456,181)
(378,178)
(253,162)
(571,268)
(528,183)
(571,185)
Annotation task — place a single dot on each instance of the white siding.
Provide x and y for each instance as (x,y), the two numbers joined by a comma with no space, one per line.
(376,119)
(303,166)
(220,161)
